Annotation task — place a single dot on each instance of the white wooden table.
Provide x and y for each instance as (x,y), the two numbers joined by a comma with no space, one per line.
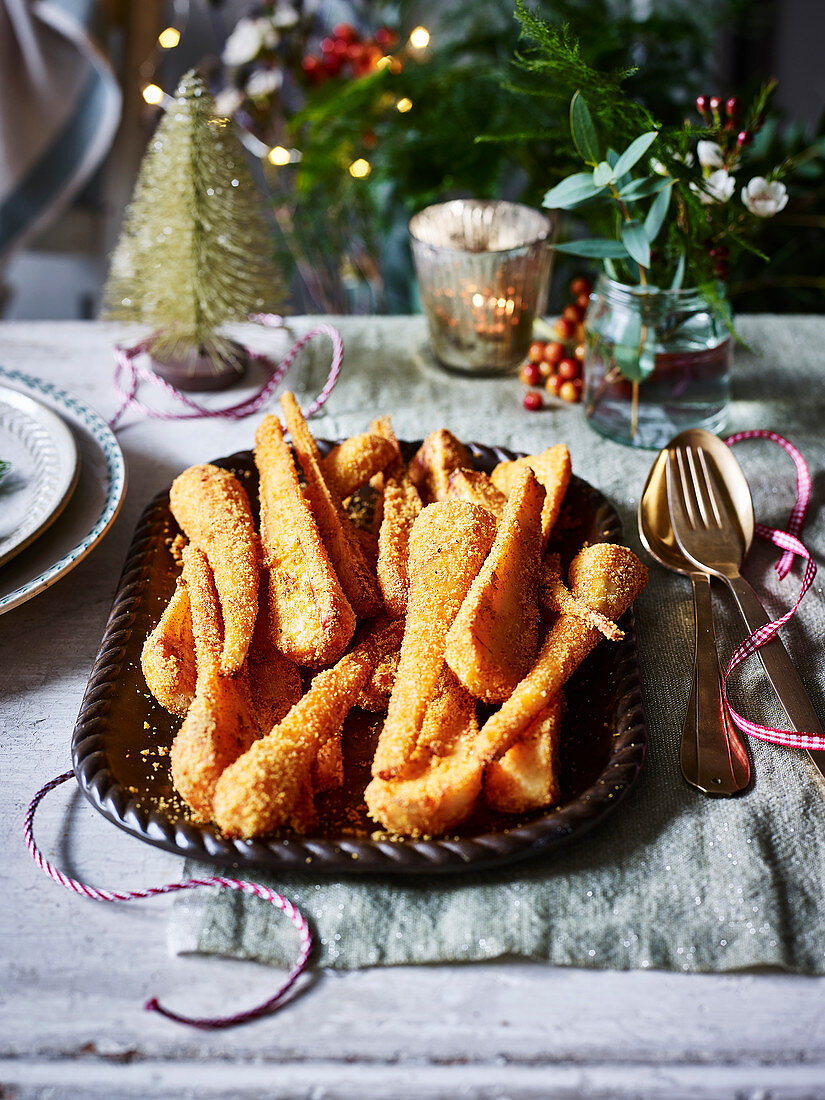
(75,973)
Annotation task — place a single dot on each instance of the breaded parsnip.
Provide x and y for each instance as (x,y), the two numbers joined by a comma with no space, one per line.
(475,486)
(552,468)
(527,776)
(440,788)
(327,772)
(495,636)
(556,597)
(212,509)
(608,578)
(378,689)
(220,725)
(357,581)
(257,793)
(168,655)
(274,681)
(310,617)
(352,463)
(401,505)
(437,457)
(448,545)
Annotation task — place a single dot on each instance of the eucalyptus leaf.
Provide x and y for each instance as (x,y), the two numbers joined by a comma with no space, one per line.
(583,130)
(574,189)
(656,214)
(634,238)
(634,152)
(611,156)
(610,268)
(593,247)
(635,364)
(679,274)
(644,187)
(602,174)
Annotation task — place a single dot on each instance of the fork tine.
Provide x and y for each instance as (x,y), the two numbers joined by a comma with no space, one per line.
(710,488)
(703,487)
(695,486)
(678,500)
(688,488)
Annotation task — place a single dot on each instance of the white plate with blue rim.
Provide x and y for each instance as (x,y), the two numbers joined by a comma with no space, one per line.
(67,510)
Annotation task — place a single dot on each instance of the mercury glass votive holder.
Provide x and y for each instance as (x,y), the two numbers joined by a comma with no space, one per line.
(483,270)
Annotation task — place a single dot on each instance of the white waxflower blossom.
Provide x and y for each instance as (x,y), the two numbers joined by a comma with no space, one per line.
(659,168)
(284,16)
(248,38)
(264,82)
(718,187)
(765,199)
(227,101)
(710,154)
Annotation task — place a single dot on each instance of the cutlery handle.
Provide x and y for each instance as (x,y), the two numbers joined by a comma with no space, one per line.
(711,756)
(778,666)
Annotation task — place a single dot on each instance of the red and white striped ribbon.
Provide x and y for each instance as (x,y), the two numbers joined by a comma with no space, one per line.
(789,542)
(129,373)
(152,1005)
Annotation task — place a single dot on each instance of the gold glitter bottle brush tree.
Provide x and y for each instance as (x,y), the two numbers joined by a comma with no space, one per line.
(194,252)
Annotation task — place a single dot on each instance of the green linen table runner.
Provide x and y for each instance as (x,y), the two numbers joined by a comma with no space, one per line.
(671,879)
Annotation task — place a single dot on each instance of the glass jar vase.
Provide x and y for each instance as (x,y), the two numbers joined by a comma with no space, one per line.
(657,362)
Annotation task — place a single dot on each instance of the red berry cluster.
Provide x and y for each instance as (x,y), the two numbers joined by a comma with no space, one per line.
(557,364)
(346,53)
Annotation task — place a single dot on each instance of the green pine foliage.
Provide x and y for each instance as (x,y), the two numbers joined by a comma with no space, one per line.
(193,252)
(478,126)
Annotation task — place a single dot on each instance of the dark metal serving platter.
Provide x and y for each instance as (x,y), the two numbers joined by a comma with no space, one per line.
(122,736)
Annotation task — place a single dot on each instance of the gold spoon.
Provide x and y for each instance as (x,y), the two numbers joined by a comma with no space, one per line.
(711,754)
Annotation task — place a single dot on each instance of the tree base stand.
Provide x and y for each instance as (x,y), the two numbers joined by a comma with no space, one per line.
(198,372)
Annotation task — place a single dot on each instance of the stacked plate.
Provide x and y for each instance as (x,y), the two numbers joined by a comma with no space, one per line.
(61,485)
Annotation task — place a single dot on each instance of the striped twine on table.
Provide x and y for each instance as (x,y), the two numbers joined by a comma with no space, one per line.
(253,888)
(129,374)
(788,541)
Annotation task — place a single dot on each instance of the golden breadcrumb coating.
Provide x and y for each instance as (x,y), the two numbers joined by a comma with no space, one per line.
(352,463)
(401,504)
(168,655)
(552,468)
(477,488)
(448,545)
(212,509)
(257,793)
(437,457)
(439,789)
(220,724)
(495,636)
(359,584)
(310,617)
(527,776)
(606,577)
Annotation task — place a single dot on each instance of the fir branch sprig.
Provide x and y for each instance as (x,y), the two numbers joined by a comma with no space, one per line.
(645,184)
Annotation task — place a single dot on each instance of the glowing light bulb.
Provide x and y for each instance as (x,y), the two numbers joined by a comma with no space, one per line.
(420,38)
(384,62)
(279,155)
(403,105)
(153,94)
(360,169)
(169,38)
